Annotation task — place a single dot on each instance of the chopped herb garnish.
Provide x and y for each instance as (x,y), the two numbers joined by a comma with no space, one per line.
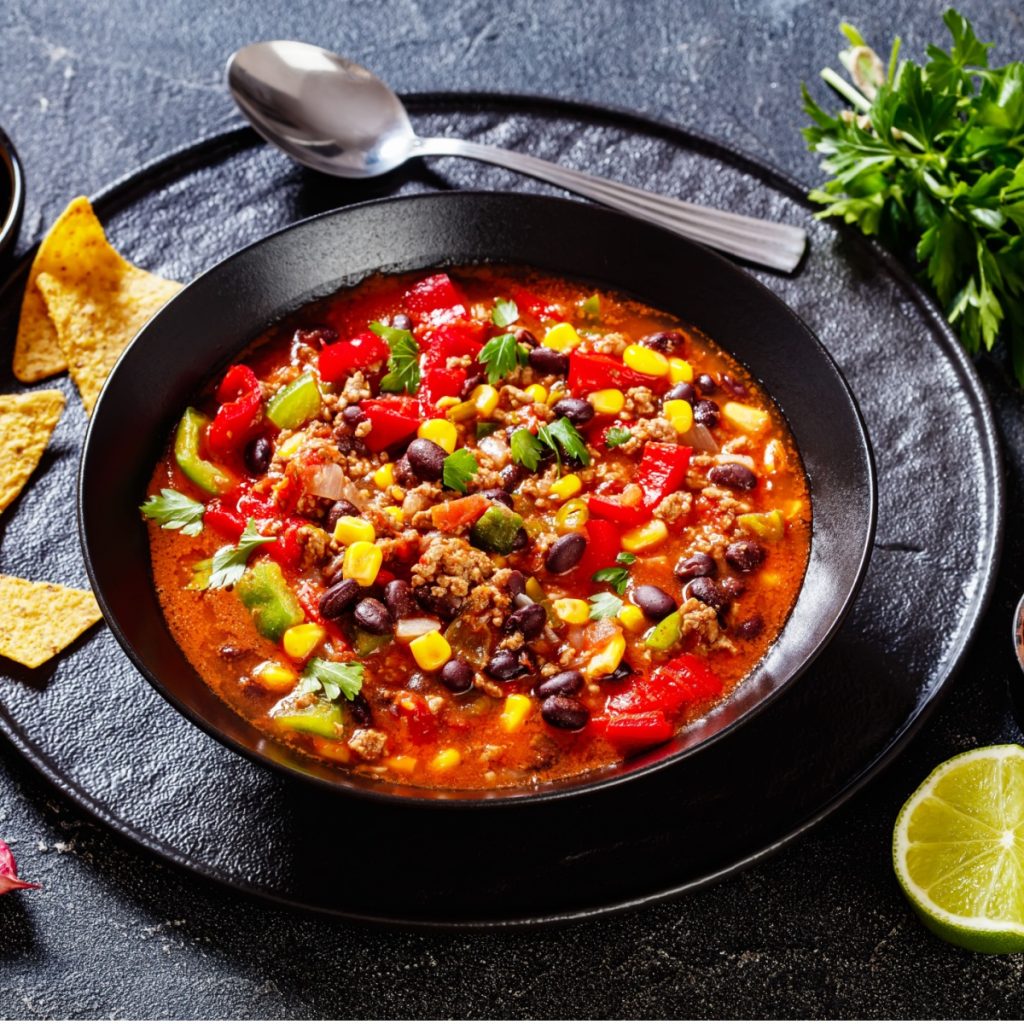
(614,436)
(228,563)
(570,439)
(616,576)
(335,678)
(526,449)
(505,312)
(485,428)
(175,511)
(501,355)
(625,558)
(591,308)
(605,605)
(459,468)
(403,363)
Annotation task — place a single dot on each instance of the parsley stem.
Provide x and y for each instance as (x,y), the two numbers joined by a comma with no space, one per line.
(847,91)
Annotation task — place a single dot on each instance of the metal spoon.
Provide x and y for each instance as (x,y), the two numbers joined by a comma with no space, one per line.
(335,116)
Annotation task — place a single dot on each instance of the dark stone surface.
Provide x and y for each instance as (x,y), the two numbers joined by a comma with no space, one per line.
(90,93)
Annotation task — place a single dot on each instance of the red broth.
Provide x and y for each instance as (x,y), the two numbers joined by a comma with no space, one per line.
(617,539)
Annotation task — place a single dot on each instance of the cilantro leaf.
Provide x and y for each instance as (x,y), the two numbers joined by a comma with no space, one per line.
(228,563)
(403,363)
(614,436)
(617,577)
(335,678)
(459,468)
(505,312)
(605,605)
(175,511)
(501,355)
(570,439)
(526,449)
(625,558)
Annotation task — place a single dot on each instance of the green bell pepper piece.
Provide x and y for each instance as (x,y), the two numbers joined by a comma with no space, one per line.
(186,453)
(496,530)
(322,718)
(295,404)
(273,606)
(364,643)
(664,634)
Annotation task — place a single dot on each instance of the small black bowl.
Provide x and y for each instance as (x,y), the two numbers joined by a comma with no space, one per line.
(12,196)
(204,326)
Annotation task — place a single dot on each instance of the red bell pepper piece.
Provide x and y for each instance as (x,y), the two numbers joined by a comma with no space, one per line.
(286,549)
(337,361)
(456,338)
(240,415)
(662,470)
(532,303)
(258,506)
(435,298)
(593,371)
(224,520)
(683,680)
(627,515)
(239,380)
(392,419)
(601,551)
(440,383)
(416,713)
(634,729)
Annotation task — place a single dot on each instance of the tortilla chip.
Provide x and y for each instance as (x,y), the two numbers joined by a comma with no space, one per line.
(97,307)
(38,620)
(26,423)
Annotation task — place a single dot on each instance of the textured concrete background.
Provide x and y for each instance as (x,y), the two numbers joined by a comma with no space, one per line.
(91,90)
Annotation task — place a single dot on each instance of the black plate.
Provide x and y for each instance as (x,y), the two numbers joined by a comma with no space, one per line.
(206,325)
(109,742)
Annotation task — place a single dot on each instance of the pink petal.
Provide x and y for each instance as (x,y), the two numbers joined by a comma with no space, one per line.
(9,872)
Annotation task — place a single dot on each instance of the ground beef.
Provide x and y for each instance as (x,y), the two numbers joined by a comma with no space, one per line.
(653,428)
(701,620)
(315,544)
(355,390)
(368,743)
(640,402)
(611,344)
(675,507)
(448,570)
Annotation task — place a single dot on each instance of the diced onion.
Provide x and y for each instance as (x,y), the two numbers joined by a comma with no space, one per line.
(743,460)
(325,480)
(495,447)
(409,629)
(699,438)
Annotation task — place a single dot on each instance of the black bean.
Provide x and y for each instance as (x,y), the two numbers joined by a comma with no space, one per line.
(372,616)
(749,628)
(733,475)
(664,341)
(505,665)
(521,541)
(745,555)
(529,621)
(515,583)
(359,708)
(497,494)
(426,459)
(399,599)
(338,597)
(444,607)
(706,384)
(681,390)
(258,453)
(576,410)
(548,361)
(737,387)
(457,675)
(696,565)
(471,384)
(621,673)
(316,336)
(732,587)
(525,337)
(353,415)
(402,322)
(404,476)
(340,508)
(707,591)
(565,553)
(564,683)
(564,713)
(706,413)
(511,477)
(653,602)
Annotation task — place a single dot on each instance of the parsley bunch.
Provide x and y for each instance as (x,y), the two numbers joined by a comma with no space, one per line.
(931,159)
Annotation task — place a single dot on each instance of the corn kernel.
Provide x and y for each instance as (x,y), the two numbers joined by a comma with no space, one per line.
(534,591)
(300,642)
(793,509)
(484,399)
(572,515)
(349,529)
(500,561)
(557,393)
(537,393)
(441,432)
(430,650)
(443,403)
(641,538)
(745,417)
(567,487)
(679,371)
(607,658)
(402,764)
(679,413)
(461,412)
(385,476)
(608,402)
(632,618)
(645,360)
(362,562)
(513,714)
(286,449)
(446,760)
(562,337)
(572,610)
(272,675)
(395,514)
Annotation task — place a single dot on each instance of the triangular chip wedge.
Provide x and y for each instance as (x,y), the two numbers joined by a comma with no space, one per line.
(38,620)
(97,310)
(26,423)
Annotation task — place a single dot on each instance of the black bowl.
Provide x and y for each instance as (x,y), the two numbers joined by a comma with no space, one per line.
(204,326)
(12,196)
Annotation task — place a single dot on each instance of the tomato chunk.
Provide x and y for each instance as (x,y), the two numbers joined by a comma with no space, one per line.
(436,297)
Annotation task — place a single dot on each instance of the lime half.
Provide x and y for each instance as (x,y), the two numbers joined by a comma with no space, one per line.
(958,848)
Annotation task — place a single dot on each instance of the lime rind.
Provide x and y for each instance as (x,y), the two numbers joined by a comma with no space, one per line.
(962,833)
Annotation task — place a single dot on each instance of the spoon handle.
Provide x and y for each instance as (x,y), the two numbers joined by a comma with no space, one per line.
(779,246)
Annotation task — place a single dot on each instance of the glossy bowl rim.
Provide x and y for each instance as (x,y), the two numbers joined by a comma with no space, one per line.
(587,783)
(11,163)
